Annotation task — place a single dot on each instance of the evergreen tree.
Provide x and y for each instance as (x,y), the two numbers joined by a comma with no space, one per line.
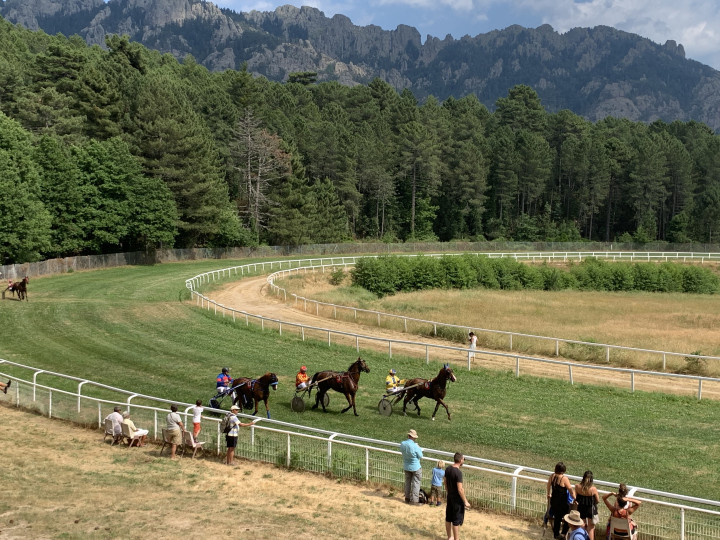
(175,147)
(64,197)
(24,220)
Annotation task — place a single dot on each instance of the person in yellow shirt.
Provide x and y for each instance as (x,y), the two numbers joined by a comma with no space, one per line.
(301,379)
(393,383)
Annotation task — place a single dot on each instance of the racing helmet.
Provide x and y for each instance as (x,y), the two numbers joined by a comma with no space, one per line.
(226,370)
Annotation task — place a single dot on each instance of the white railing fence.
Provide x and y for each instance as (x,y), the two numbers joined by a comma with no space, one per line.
(283,267)
(505,487)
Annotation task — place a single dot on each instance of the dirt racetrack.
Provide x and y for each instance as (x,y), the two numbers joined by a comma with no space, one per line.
(61,481)
(251,295)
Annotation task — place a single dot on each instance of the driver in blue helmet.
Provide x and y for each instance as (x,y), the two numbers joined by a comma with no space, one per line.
(222,386)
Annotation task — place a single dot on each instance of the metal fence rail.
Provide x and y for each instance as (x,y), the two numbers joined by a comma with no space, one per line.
(489,484)
(420,347)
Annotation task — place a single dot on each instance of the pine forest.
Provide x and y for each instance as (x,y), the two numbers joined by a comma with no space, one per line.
(126,149)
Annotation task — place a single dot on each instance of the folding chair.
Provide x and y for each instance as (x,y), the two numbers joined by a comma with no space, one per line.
(110,430)
(127,434)
(190,442)
(166,440)
(620,529)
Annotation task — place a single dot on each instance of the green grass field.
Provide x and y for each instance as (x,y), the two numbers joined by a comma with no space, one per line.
(135,328)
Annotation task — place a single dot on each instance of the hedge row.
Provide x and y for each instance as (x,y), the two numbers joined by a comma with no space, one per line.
(388,275)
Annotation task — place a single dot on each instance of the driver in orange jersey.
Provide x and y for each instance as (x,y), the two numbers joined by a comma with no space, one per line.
(301,379)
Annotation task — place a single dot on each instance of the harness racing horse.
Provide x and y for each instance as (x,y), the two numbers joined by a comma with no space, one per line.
(434,389)
(344,382)
(20,287)
(257,390)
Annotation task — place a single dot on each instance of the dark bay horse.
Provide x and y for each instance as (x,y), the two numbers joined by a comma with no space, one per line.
(433,389)
(257,390)
(20,287)
(344,382)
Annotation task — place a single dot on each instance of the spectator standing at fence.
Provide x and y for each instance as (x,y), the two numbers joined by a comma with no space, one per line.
(456,500)
(197,417)
(141,433)
(116,418)
(558,487)
(5,386)
(472,338)
(587,502)
(438,474)
(231,436)
(577,526)
(412,454)
(175,430)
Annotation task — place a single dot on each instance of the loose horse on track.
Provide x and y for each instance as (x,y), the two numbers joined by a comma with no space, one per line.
(20,287)
(254,389)
(344,382)
(433,389)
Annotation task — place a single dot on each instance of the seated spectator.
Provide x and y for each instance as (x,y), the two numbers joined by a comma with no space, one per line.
(5,386)
(116,418)
(141,433)
(623,507)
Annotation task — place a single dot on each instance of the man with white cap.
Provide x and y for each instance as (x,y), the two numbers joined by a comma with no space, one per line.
(231,436)
(412,454)
(577,526)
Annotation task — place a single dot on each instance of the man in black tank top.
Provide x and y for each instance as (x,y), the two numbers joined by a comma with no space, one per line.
(456,500)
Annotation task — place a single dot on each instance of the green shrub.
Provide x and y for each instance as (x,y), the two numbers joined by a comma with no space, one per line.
(388,275)
(696,279)
(646,277)
(621,276)
(669,277)
(337,277)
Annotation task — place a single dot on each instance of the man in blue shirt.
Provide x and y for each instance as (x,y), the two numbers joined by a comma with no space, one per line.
(412,454)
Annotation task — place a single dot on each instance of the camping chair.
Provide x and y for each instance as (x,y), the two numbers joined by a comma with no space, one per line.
(127,434)
(166,440)
(109,430)
(620,529)
(190,442)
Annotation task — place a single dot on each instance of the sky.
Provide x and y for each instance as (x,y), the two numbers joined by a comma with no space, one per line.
(693,23)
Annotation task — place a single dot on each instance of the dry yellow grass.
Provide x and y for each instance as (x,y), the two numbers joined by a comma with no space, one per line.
(61,481)
(684,323)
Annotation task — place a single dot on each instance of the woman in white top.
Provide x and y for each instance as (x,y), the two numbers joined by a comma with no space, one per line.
(473,343)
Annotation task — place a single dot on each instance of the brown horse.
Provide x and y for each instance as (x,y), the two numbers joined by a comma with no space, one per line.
(254,390)
(20,287)
(434,389)
(343,382)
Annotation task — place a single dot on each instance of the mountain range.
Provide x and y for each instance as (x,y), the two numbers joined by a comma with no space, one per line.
(594,72)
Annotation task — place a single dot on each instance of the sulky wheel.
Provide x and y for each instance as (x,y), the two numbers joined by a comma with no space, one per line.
(297,404)
(385,407)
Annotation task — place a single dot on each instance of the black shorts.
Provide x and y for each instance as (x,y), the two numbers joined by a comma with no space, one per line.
(455,514)
(231,441)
